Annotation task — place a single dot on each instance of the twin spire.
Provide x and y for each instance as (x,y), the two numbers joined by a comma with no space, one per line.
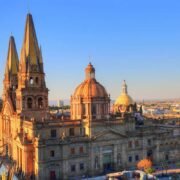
(30,52)
(12,62)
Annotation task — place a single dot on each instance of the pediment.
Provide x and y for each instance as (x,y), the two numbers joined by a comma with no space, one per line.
(108,135)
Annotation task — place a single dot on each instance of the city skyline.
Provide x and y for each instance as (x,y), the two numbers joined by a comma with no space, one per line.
(121,42)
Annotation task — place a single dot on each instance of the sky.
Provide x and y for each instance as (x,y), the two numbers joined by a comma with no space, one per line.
(135,40)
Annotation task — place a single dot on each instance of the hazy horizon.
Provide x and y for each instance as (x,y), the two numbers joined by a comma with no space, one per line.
(138,41)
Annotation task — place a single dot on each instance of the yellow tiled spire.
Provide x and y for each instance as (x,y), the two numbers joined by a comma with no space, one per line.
(12,59)
(30,53)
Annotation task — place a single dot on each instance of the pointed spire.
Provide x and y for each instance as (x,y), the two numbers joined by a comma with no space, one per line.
(12,59)
(40,53)
(124,88)
(30,53)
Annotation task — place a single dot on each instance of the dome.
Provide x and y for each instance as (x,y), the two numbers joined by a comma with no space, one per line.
(124,99)
(90,87)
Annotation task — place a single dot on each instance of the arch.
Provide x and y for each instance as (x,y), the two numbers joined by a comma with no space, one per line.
(40,102)
(31,81)
(29,103)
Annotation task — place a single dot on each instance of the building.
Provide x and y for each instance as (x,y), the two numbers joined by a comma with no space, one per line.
(91,142)
(60,103)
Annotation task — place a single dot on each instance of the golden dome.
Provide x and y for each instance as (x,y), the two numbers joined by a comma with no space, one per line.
(124,99)
(90,87)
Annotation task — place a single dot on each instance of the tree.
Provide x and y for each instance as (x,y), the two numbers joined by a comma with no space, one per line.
(149,170)
(144,164)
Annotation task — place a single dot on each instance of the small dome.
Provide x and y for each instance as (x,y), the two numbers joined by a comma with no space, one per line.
(90,88)
(124,99)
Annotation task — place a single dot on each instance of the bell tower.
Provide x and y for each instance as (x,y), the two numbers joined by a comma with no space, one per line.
(32,94)
(11,72)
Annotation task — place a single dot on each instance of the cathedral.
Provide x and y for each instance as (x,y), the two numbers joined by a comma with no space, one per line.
(92,141)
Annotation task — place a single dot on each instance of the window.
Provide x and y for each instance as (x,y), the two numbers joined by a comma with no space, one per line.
(149,142)
(93,109)
(82,131)
(81,150)
(149,153)
(167,157)
(73,168)
(81,166)
(136,157)
(96,162)
(83,109)
(52,154)
(37,80)
(130,144)
(40,102)
(29,103)
(130,159)
(52,175)
(71,132)
(31,81)
(103,107)
(72,151)
(53,133)
(136,143)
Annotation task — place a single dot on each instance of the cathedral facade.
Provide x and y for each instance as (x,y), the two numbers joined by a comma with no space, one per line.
(91,142)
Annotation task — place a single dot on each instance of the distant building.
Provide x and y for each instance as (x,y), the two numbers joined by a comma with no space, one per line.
(60,103)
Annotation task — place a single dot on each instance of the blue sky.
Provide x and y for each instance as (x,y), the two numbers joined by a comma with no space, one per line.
(136,40)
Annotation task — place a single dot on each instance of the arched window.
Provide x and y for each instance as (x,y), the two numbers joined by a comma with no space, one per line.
(40,102)
(29,103)
(31,81)
(37,80)
(71,132)
(83,109)
(93,110)
(102,109)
